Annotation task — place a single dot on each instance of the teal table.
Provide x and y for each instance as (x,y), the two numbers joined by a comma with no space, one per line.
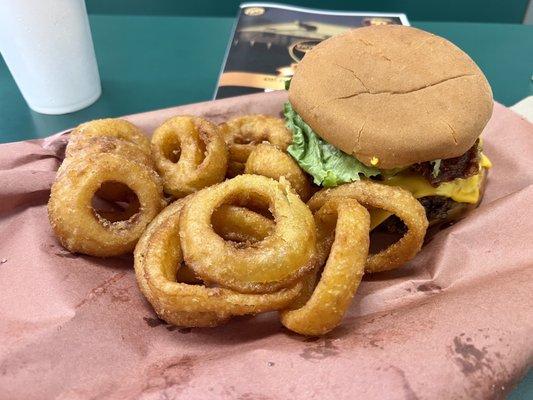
(153,62)
(150,62)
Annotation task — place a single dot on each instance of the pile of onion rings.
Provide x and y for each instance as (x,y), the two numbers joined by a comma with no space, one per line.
(215,254)
(106,191)
(159,255)
(240,238)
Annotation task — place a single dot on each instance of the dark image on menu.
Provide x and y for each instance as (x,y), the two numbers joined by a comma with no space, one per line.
(270,39)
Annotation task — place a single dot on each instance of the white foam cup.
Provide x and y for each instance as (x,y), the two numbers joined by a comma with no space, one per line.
(48,48)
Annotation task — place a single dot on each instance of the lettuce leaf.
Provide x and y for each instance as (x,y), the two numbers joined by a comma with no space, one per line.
(327,165)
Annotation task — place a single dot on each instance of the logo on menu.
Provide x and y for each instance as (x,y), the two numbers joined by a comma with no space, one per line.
(254,11)
(297,50)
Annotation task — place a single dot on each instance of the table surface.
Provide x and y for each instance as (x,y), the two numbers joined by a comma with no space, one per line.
(151,62)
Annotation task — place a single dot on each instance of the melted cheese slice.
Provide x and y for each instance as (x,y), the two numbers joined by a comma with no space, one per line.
(460,190)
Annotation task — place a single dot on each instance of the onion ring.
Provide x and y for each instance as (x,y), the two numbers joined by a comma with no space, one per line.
(189,154)
(393,199)
(344,268)
(81,145)
(79,227)
(239,224)
(158,256)
(242,134)
(234,223)
(275,262)
(111,127)
(271,162)
(124,139)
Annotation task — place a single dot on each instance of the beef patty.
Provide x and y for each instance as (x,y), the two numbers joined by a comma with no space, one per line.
(449,169)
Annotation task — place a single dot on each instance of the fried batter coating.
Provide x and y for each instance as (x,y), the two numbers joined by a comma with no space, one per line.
(243,134)
(269,161)
(393,199)
(346,223)
(276,261)
(79,227)
(190,154)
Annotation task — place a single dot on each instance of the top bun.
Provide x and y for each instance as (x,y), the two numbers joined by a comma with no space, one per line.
(392,93)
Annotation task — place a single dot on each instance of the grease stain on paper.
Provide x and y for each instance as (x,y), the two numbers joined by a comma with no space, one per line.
(170,376)
(253,396)
(469,357)
(429,287)
(103,288)
(376,343)
(480,367)
(407,389)
(120,295)
(153,322)
(320,350)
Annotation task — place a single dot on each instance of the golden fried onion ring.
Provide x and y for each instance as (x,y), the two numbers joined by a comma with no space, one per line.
(240,224)
(271,162)
(81,145)
(234,223)
(242,134)
(275,262)
(113,136)
(349,223)
(157,258)
(79,227)
(189,154)
(110,127)
(393,199)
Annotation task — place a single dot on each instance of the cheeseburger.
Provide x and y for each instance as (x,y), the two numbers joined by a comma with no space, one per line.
(397,105)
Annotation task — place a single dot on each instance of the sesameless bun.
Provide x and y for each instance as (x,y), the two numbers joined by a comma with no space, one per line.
(393,93)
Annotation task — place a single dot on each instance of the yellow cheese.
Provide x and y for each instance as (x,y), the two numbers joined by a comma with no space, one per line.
(460,190)
(484,161)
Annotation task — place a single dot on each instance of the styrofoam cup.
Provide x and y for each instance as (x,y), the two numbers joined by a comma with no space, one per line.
(48,48)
